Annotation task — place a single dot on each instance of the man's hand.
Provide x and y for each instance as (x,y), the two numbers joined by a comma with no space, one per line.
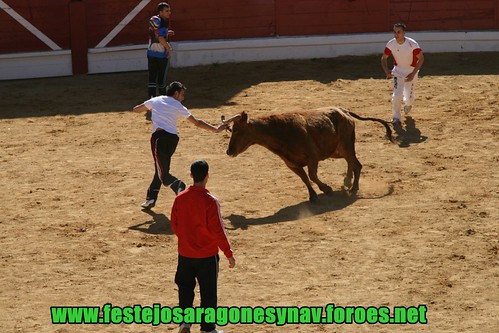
(232,262)
(410,77)
(222,127)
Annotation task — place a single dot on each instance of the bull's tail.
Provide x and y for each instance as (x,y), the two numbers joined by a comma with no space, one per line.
(388,129)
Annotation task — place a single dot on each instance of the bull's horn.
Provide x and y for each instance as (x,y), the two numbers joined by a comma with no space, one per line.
(231,119)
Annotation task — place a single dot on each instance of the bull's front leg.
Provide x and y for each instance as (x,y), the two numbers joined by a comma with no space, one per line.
(312,173)
(303,175)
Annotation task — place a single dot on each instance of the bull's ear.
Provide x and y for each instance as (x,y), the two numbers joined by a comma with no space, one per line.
(244,117)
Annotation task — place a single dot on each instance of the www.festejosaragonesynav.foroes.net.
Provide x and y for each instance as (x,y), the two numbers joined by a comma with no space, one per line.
(221,316)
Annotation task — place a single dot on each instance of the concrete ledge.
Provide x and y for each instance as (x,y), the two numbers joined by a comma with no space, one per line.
(35,65)
(278,48)
(474,41)
(193,53)
(117,59)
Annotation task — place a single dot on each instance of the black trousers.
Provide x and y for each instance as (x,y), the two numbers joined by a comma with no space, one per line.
(158,68)
(163,145)
(205,271)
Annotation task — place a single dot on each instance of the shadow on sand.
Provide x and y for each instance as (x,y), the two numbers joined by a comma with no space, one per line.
(159,224)
(325,203)
(337,200)
(408,135)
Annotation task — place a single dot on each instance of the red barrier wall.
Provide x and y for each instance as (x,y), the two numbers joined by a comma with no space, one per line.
(222,19)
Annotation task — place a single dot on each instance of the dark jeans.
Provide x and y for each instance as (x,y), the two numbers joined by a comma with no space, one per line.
(158,68)
(163,145)
(205,271)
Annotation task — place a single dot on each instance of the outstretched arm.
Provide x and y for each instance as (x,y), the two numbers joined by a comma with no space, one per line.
(140,108)
(204,125)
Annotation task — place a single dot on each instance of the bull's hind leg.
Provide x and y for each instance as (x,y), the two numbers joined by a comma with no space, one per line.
(347,181)
(302,174)
(354,168)
(312,173)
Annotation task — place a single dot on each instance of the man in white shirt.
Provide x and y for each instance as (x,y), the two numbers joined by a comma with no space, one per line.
(165,113)
(407,60)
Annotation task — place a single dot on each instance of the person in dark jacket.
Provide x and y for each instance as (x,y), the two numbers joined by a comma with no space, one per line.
(159,50)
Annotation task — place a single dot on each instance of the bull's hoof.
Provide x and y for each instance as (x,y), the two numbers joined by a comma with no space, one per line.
(313,197)
(354,190)
(327,189)
(347,182)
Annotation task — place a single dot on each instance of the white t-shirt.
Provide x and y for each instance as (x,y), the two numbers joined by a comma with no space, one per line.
(165,113)
(404,56)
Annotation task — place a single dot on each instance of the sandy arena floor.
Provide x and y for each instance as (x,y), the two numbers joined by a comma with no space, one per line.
(424,228)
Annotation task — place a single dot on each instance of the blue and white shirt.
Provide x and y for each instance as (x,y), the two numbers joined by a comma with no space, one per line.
(157,28)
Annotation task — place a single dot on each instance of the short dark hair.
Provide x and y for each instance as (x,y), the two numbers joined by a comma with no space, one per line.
(199,170)
(161,6)
(174,87)
(400,25)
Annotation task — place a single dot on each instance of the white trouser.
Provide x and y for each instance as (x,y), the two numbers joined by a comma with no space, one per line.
(402,91)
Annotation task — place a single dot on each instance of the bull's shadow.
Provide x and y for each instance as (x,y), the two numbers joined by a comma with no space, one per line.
(325,203)
(408,135)
(159,224)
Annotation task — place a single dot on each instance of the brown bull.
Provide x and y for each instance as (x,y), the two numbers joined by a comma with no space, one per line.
(303,139)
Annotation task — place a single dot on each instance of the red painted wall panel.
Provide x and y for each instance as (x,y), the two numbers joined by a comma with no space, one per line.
(136,32)
(303,17)
(219,19)
(446,15)
(104,16)
(50,17)
(15,38)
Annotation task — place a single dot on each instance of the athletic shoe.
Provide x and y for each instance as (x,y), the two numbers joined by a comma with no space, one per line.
(407,109)
(185,328)
(181,188)
(214,331)
(148,204)
(395,121)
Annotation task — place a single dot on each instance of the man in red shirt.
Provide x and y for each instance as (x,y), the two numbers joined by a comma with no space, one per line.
(197,222)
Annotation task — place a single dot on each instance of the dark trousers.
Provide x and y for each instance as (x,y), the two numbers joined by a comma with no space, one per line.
(163,145)
(158,68)
(205,271)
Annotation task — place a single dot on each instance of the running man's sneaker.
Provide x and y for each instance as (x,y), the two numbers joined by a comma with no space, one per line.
(148,204)
(407,109)
(395,121)
(214,331)
(181,188)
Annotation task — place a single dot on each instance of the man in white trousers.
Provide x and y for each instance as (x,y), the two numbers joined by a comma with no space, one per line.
(407,60)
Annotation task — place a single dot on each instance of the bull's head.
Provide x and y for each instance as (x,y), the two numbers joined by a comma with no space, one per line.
(241,138)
